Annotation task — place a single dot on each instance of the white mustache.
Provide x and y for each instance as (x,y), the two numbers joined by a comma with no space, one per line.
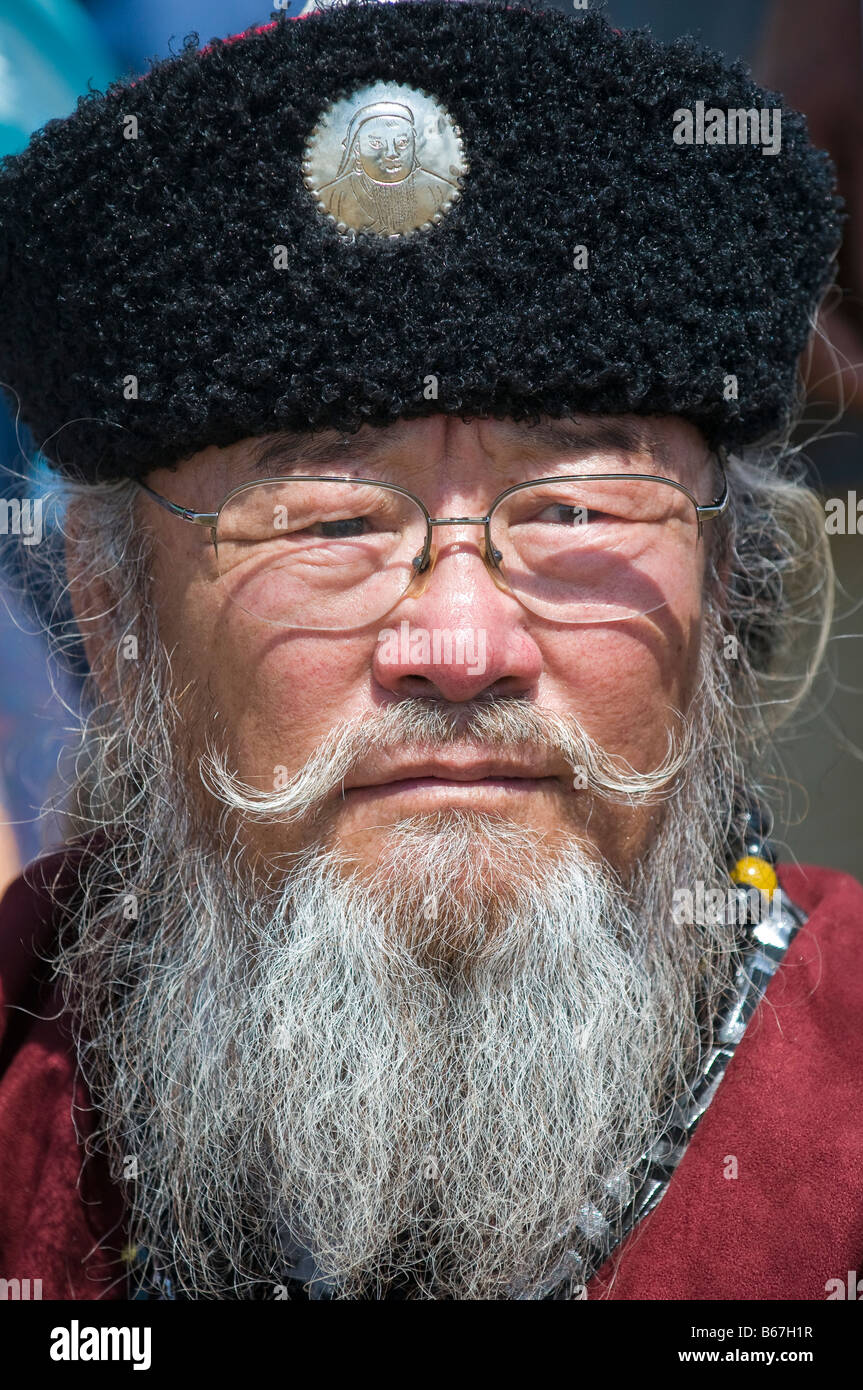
(422,724)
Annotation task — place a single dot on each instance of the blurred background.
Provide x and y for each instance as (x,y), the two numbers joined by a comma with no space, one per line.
(53,50)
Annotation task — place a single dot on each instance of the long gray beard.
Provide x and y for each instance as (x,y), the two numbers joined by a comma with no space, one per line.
(431,1081)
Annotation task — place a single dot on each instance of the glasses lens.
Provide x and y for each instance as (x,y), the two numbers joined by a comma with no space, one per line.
(318,554)
(594,550)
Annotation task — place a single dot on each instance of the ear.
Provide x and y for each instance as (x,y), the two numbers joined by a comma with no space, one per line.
(92,598)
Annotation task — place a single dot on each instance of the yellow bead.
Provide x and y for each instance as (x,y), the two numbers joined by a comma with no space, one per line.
(750,872)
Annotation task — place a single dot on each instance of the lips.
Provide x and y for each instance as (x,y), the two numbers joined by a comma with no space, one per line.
(507,775)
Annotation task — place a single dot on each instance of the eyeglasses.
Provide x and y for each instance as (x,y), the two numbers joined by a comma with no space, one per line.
(325,552)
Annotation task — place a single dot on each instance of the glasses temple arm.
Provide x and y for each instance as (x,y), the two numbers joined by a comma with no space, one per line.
(711,509)
(185,513)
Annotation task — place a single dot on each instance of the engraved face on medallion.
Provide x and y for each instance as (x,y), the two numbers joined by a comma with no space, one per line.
(387,161)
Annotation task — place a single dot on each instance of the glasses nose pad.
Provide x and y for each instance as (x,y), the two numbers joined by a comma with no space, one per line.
(419,581)
(492,557)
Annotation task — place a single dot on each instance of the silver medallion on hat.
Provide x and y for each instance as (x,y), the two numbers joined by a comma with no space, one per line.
(386,161)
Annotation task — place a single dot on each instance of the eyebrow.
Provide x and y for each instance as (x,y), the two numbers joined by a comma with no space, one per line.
(291,450)
(584,436)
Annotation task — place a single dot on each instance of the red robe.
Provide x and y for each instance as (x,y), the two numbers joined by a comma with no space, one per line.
(788,1110)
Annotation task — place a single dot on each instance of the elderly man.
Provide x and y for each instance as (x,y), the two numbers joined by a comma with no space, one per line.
(418,933)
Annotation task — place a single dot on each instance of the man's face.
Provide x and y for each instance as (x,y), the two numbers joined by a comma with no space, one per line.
(386,148)
(273,694)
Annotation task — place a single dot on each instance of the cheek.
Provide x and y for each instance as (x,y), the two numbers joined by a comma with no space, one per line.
(282,694)
(624,680)
(275,693)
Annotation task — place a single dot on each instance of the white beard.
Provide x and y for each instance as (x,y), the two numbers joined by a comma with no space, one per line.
(445,1101)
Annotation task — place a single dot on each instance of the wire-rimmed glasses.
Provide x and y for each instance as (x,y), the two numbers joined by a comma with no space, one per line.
(325,552)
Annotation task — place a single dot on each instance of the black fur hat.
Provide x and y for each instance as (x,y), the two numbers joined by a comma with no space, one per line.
(146,312)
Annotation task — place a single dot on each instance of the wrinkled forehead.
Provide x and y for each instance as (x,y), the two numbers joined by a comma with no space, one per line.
(627,440)
(420,451)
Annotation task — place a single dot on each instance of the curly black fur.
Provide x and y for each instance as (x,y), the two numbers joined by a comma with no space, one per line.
(154,256)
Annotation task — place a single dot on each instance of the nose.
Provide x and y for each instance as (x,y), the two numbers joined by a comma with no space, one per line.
(457,633)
